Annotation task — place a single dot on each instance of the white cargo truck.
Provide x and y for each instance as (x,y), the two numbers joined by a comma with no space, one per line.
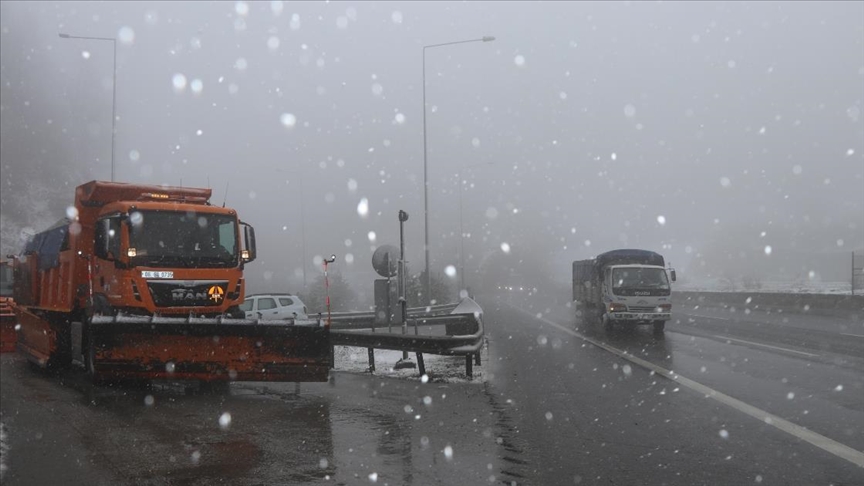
(625,287)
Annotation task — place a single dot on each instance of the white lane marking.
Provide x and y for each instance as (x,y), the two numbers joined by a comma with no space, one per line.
(820,441)
(689,314)
(766,346)
(854,335)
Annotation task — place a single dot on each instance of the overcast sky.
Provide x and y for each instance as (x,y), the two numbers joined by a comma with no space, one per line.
(583,127)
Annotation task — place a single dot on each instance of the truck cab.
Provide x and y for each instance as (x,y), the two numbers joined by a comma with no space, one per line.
(638,294)
(627,286)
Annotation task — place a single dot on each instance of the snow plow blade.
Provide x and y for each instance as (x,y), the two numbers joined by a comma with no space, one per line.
(128,347)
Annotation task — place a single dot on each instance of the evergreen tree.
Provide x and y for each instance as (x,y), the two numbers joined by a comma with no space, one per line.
(342,297)
(441,289)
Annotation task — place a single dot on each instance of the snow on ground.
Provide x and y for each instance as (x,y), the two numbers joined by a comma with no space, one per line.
(439,369)
(799,287)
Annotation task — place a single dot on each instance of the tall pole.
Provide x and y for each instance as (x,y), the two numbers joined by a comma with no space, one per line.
(113,109)
(403,299)
(303,228)
(461,227)
(461,240)
(327,286)
(428,282)
(427,286)
(113,91)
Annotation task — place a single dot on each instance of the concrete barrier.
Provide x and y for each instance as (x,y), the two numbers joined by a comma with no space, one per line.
(846,306)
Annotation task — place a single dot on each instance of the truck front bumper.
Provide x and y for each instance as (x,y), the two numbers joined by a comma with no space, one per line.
(638,316)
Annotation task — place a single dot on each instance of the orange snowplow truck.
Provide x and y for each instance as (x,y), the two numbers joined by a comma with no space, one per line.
(144,282)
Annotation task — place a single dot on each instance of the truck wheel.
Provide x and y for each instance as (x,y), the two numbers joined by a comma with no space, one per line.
(61,358)
(608,324)
(89,357)
(659,326)
(102,307)
(88,350)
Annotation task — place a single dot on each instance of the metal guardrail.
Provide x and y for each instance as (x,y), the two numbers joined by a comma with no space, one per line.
(822,304)
(412,312)
(463,333)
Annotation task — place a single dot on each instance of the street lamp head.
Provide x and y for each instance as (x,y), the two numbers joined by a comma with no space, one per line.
(487,38)
(65,36)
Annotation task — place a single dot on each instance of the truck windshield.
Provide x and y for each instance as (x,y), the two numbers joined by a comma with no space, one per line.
(639,278)
(183,239)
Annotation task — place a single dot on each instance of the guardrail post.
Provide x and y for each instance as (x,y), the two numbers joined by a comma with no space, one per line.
(477,359)
(371,360)
(420,365)
(468,370)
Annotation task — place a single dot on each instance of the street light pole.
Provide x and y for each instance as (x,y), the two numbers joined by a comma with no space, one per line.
(461,228)
(428,283)
(461,241)
(303,228)
(113,89)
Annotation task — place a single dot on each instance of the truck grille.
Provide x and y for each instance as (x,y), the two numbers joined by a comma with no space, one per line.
(187,293)
(643,308)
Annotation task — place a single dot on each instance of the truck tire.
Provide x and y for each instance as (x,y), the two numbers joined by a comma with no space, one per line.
(659,326)
(61,358)
(88,352)
(102,307)
(608,324)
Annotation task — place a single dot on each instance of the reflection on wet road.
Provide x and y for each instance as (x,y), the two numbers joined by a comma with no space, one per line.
(356,429)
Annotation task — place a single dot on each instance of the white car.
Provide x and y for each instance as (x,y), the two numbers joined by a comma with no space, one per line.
(273,306)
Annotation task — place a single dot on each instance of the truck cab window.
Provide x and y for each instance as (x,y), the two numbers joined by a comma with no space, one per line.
(107,238)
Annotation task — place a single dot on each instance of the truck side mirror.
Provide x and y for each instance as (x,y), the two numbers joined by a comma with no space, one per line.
(248,253)
(672,274)
(101,245)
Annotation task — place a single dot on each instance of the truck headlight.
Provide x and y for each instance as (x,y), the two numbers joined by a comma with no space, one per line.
(131,252)
(613,307)
(664,308)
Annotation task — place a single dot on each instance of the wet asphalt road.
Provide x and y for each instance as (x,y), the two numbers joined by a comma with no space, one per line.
(581,414)
(356,430)
(555,408)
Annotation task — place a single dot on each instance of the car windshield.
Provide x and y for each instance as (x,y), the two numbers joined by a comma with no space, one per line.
(367,242)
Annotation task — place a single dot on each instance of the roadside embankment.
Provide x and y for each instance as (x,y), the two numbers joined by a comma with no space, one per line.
(847,306)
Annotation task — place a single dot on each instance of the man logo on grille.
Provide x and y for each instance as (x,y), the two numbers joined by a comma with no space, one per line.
(215,293)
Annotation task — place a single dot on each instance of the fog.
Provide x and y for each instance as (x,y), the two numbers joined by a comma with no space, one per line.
(726,136)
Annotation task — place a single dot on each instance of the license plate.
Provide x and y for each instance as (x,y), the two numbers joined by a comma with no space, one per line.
(153,274)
